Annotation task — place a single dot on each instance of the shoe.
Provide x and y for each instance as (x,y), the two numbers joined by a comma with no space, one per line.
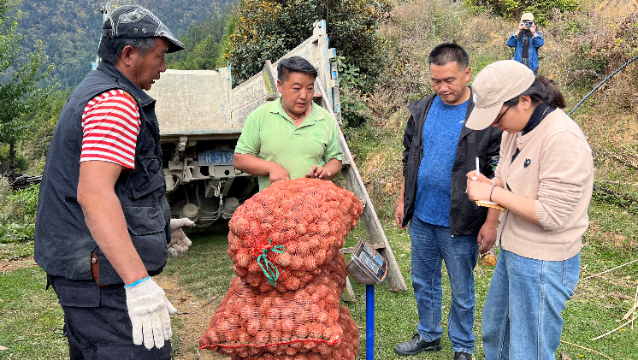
(417,345)
(462,356)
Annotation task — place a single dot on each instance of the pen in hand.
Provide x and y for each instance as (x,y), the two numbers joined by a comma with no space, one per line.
(477,170)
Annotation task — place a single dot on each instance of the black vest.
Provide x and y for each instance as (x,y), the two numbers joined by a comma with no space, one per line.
(63,242)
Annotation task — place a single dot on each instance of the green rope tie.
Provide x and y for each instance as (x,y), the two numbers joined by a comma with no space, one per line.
(270,270)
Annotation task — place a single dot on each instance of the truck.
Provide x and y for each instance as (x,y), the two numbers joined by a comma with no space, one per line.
(201,117)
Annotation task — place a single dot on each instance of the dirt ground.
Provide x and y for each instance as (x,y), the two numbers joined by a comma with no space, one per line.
(6,266)
(195,315)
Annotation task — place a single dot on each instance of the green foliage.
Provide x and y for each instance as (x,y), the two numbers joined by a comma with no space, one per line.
(267,30)
(19,93)
(15,250)
(611,194)
(597,47)
(354,112)
(17,212)
(201,44)
(72,29)
(34,149)
(590,69)
(17,232)
(21,161)
(224,45)
(542,9)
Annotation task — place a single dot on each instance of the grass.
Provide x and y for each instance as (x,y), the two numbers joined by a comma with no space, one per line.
(15,251)
(31,319)
(396,313)
(597,304)
(206,269)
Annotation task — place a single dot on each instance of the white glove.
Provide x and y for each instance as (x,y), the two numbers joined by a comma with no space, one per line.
(179,241)
(148,309)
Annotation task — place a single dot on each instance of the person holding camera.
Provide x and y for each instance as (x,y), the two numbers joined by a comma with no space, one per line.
(526,40)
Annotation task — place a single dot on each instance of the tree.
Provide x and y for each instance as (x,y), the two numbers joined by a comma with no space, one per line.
(19,92)
(201,44)
(266,30)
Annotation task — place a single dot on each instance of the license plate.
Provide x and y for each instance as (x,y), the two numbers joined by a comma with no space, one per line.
(215,157)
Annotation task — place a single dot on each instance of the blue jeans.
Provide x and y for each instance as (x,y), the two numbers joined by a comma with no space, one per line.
(522,314)
(431,245)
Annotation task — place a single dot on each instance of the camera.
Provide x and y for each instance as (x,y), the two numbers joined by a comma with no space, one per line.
(528,24)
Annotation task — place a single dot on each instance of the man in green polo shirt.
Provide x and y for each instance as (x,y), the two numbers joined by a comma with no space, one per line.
(290,138)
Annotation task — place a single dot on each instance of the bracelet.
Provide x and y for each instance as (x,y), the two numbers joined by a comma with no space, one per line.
(137,282)
(491,191)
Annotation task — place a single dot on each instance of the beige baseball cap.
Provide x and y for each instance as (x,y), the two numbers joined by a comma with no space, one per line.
(527,16)
(494,85)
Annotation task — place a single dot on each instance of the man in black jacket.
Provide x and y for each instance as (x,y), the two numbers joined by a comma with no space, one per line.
(444,223)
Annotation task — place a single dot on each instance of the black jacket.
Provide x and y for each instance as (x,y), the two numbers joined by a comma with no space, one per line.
(63,242)
(466,218)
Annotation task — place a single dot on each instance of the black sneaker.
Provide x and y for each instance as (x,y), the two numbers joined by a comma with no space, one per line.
(417,345)
(462,356)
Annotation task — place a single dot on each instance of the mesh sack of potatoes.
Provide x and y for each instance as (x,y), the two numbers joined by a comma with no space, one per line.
(291,229)
(348,348)
(250,323)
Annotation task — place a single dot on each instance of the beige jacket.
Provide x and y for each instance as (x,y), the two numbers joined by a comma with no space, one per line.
(555,167)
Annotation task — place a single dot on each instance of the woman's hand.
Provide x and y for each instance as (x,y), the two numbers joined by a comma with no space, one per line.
(482,178)
(478,190)
(478,187)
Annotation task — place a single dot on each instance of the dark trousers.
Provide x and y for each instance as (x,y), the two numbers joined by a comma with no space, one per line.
(97,324)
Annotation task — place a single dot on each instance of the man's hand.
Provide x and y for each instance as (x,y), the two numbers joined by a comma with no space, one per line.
(399,214)
(105,218)
(255,166)
(533,29)
(319,172)
(179,241)
(149,311)
(486,237)
(276,173)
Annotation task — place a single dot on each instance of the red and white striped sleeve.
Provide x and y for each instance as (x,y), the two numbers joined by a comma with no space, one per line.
(110,124)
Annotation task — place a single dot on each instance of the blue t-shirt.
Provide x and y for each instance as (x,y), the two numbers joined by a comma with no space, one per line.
(441,133)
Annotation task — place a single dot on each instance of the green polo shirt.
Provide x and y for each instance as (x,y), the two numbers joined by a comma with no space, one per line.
(270,135)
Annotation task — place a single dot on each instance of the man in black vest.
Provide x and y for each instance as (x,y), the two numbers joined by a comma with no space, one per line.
(103,221)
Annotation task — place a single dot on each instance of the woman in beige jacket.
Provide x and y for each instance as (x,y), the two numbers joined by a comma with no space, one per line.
(544,181)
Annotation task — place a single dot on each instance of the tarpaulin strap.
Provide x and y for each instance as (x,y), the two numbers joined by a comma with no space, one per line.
(270,270)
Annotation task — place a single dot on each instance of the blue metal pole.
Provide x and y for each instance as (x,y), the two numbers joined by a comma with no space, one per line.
(369,322)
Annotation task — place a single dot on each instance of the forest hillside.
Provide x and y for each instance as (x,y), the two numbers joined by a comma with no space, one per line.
(70,29)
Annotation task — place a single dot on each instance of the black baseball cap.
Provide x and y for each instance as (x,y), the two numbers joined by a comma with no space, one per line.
(133,21)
